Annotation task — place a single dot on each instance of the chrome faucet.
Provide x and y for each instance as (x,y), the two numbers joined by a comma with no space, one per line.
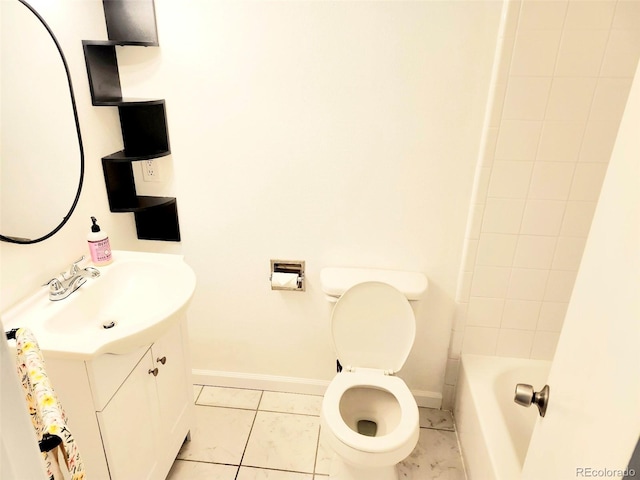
(69,282)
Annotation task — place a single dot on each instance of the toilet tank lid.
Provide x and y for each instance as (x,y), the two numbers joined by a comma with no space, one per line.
(337,280)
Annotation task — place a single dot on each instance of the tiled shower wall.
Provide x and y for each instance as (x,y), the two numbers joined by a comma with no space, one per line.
(562,74)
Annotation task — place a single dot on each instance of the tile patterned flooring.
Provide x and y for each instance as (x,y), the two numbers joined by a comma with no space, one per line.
(260,435)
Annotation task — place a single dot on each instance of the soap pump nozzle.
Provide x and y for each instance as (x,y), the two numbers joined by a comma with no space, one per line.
(94,227)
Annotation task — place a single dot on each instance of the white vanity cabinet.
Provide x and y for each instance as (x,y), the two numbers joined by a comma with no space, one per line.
(141,407)
(145,421)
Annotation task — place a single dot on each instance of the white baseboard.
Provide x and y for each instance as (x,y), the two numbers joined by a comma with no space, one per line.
(276,383)
(258,381)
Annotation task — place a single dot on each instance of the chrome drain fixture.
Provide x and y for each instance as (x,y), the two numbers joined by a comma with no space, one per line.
(108,325)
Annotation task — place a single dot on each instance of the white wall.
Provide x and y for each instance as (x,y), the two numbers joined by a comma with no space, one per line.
(562,76)
(341,133)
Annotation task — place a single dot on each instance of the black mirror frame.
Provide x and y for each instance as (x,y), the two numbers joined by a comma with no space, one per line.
(65,219)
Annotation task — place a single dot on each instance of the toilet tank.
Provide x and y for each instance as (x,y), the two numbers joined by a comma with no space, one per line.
(337,280)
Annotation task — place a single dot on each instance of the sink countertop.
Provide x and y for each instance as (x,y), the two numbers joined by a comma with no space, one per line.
(143,293)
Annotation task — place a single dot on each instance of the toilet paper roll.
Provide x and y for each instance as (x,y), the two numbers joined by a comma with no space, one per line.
(284,280)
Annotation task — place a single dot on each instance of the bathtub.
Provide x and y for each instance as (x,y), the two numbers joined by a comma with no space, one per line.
(494,432)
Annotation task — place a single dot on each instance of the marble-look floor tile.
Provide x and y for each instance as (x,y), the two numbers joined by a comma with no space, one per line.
(230,397)
(220,435)
(283,441)
(291,403)
(196,392)
(251,473)
(323,457)
(436,456)
(184,470)
(434,418)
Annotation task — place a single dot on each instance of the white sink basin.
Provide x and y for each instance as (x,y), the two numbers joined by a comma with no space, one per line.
(141,294)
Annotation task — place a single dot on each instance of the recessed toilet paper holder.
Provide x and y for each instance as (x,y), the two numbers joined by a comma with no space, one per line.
(288,267)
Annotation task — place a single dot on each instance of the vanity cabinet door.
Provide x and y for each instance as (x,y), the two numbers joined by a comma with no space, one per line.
(130,425)
(171,382)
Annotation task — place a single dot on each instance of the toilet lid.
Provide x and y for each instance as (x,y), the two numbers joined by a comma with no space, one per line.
(373,326)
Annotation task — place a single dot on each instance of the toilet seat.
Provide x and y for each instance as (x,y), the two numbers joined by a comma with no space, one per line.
(373,326)
(399,436)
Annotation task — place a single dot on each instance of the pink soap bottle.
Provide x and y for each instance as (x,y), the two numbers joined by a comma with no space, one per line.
(99,246)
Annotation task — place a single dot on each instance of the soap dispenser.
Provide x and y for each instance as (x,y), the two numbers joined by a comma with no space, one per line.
(99,246)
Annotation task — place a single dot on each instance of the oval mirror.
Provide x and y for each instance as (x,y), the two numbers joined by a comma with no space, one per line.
(41,152)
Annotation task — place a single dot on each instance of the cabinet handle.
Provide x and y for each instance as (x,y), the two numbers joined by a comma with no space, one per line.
(154,371)
(162,360)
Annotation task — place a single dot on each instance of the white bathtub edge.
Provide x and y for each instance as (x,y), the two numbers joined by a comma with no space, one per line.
(487,446)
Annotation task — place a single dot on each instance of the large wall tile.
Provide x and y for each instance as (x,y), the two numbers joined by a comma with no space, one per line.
(621,55)
(598,141)
(496,249)
(560,141)
(581,53)
(596,14)
(526,98)
(518,140)
(490,282)
(514,343)
(485,312)
(551,180)
(535,251)
(520,314)
(510,179)
(480,340)
(527,284)
(610,99)
(568,253)
(577,219)
(570,98)
(502,215)
(542,15)
(535,54)
(587,181)
(542,217)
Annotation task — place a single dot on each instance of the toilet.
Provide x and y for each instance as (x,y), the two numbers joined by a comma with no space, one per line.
(369,417)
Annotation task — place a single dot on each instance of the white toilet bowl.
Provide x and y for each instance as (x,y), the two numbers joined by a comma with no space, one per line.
(369,417)
(375,399)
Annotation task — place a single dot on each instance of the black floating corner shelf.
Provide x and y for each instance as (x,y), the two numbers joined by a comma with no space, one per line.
(102,70)
(120,43)
(131,21)
(144,128)
(143,121)
(122,156)
(160,222)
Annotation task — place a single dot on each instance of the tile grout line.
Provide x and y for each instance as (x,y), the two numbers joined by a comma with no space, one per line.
(206,462)
(258,410)
(271,469)
(315,458)
(249,436)
(439,429)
